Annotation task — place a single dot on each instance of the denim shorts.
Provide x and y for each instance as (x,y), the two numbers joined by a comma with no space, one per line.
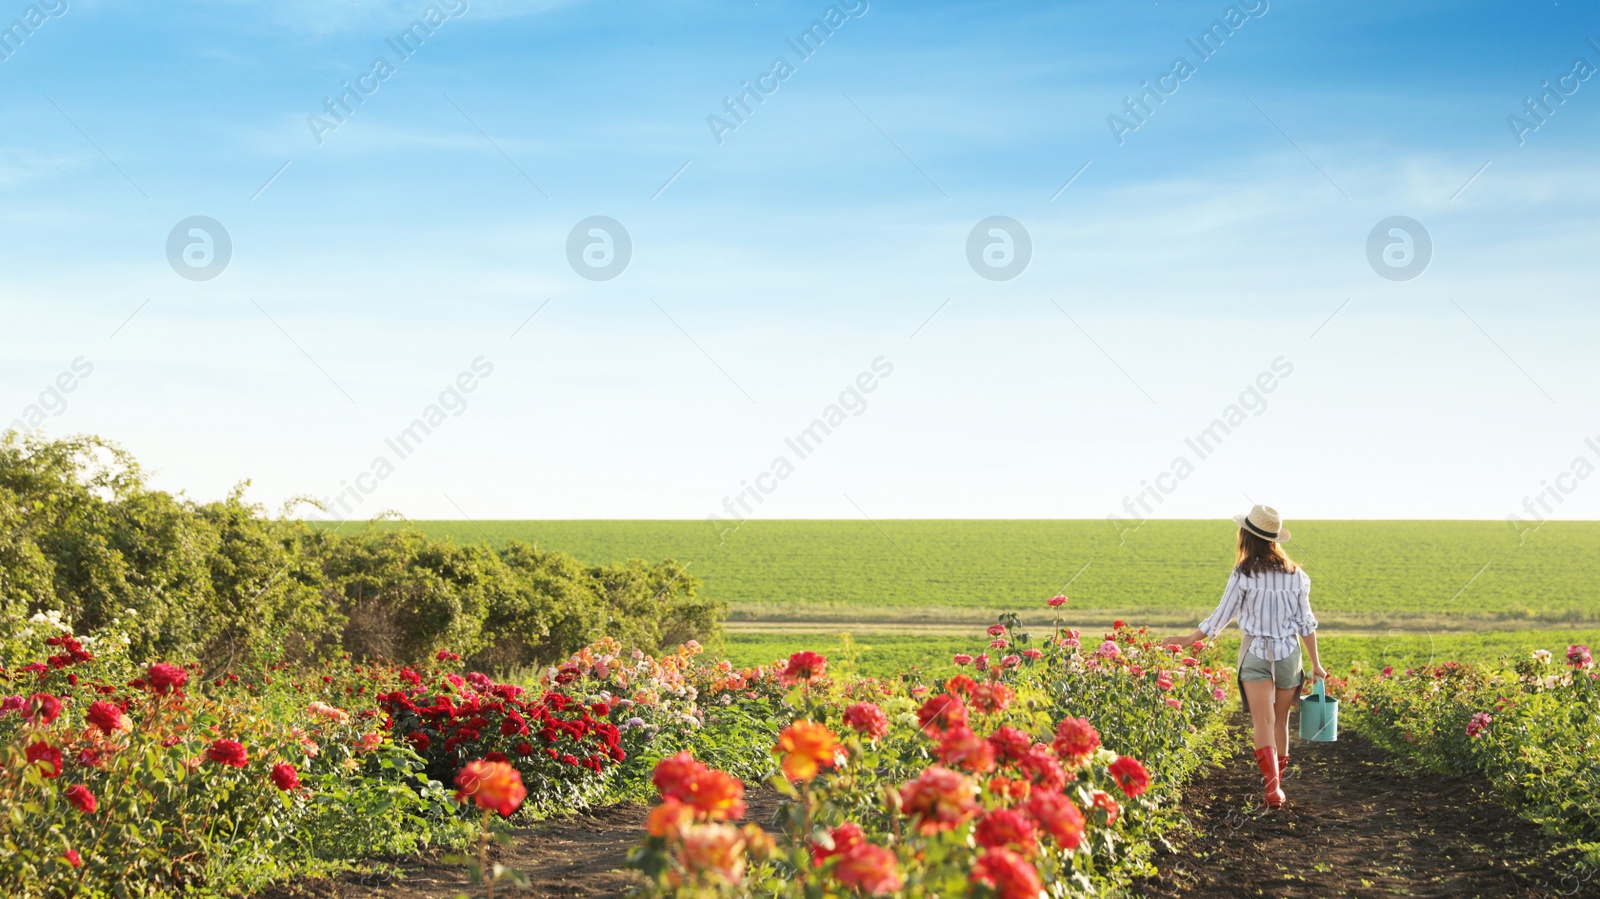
(1285,673)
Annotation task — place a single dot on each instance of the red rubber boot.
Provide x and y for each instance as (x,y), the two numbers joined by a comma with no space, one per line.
(1283,766)
(1267,758)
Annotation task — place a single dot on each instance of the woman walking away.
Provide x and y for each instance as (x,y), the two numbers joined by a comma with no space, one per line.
(1271,597)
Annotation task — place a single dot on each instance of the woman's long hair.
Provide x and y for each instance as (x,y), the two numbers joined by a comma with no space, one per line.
(1257,555)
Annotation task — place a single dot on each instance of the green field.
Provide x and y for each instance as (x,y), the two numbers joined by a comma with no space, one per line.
(889,654)
(1368,575)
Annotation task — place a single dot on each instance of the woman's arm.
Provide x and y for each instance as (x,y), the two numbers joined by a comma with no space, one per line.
(1185,641)
(1310,640)
(1308,627)
(1232,599)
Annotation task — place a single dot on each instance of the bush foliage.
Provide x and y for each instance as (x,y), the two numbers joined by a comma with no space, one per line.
(82,533)
(1529,728)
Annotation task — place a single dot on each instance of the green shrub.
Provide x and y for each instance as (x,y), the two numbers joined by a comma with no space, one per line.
(1529,729)
(81,533)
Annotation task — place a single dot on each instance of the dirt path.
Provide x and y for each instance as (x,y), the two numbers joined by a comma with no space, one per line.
(1354,826)
(578,856)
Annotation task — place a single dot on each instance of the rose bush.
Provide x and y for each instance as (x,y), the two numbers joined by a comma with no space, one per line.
(1051,764)
(137,780)
(1047,760)
(1530,728)
(156,777)
(560,746)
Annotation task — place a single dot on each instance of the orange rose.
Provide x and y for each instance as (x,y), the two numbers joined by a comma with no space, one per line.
(718,795)
(714,849)
(492,785)
(961,748)
(991,697)
(669,819)
(714,794)
(807,748)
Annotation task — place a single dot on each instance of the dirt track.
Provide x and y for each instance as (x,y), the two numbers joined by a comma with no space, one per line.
(1355,826)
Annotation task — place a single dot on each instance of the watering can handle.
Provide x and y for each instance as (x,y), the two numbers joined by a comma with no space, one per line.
(1321,692)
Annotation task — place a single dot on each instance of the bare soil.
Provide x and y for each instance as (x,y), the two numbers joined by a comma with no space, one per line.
(1356,826)
(581,855)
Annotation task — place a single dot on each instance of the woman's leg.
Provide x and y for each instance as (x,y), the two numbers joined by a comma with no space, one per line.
(1262,719)
(1262,711)
(1280,735)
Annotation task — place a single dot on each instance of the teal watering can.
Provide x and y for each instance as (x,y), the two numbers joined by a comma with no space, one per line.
(1319,716)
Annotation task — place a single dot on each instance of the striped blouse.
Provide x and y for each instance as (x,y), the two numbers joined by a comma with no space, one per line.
(1273,608)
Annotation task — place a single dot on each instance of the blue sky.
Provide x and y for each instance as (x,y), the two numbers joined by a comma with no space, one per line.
(769,271)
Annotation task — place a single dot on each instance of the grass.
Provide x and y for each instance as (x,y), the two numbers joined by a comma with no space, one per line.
(1434,575)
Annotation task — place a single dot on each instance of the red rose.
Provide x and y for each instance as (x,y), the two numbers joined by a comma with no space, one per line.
(867,719)
(1005,827)
(228,752)
(47,757)
(1102,800)
(1076,740)
(1059,817)
(43,708)
(284,777)
(804,668)
(1130,775)
(73,858)
(941,712)
(869,868)
(1010,875)
(1010,743)
(81,798)
(843,837)
(1041,768)
(162,678)
(105,716)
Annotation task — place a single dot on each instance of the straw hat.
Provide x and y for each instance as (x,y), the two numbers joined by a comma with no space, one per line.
(1263,521)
